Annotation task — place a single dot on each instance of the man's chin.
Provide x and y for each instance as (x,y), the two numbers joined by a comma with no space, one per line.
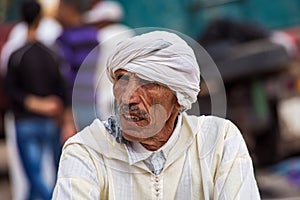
(133,131)
(132,137)
(137,135)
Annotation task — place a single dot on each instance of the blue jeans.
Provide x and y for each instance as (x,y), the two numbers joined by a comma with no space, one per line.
(34,136)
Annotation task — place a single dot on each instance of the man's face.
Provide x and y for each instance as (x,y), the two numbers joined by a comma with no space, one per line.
(145,108)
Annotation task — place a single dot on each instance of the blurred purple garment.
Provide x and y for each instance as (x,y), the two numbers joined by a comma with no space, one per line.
(289,168)
(78,46)
(75,44)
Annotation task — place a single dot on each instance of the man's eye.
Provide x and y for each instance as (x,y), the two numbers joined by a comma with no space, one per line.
(122,77)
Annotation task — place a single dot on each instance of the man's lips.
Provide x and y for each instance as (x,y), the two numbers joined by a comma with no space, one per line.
(132,113)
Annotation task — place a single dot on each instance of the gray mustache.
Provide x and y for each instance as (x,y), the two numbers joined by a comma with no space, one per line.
(133,110)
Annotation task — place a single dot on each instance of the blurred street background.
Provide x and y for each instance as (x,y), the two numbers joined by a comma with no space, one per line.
(256,47)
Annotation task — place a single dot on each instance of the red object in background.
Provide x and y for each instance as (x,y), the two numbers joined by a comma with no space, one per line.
(4,33)
(294,33)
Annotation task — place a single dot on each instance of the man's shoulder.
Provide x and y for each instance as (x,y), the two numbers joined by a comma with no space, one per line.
(212,132)
(95,138)
(88,134)
(205,121)
(21,50)
(30,47)
(17,55)
(209,128)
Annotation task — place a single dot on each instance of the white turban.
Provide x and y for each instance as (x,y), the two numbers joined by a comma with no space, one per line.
(161,57)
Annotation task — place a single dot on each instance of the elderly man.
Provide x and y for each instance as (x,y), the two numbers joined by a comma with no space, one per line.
(152,149)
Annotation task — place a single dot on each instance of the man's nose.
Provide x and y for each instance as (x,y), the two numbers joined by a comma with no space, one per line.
(131,92)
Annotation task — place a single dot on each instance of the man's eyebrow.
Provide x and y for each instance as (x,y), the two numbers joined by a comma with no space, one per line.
(118,75)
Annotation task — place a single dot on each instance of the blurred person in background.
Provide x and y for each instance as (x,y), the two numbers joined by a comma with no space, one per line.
(37,94)
(77,45)
(47,32)
(106,16)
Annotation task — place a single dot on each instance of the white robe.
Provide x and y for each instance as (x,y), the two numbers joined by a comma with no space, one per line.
(210,160)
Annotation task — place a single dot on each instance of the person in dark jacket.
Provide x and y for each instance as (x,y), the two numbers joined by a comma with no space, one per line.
(37,93)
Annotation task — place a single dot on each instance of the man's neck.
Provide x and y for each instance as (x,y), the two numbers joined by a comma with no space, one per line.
(32,34)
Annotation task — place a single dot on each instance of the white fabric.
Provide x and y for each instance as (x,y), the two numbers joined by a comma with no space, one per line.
(209,161)
(18,180)
(162,57)
(283,39)
(137,152)
(104,11)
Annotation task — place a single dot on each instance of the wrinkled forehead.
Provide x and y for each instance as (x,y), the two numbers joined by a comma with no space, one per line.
(118,74)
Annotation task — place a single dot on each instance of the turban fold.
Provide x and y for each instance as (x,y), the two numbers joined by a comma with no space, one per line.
(161,57)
